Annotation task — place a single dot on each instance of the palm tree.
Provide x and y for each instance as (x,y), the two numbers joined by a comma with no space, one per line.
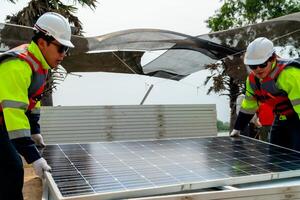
(29,15)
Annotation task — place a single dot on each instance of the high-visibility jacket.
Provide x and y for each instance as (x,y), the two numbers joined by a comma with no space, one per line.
(23,73)
(280,89)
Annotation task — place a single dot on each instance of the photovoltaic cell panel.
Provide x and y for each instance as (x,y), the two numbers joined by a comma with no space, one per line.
(132,168)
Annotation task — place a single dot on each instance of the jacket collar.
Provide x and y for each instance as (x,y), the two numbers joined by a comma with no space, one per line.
(34,49)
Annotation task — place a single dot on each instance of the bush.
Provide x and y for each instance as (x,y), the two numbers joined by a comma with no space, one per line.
(222,126)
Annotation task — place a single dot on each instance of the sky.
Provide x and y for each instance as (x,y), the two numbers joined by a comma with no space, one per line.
(186,17)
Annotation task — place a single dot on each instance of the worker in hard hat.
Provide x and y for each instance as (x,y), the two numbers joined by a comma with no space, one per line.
(23,72)
(276,82)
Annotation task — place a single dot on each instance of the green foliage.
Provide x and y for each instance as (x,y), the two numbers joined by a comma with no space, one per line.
(222,126)
(236,13)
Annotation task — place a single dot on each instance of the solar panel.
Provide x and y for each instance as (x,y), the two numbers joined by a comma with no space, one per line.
(139,168)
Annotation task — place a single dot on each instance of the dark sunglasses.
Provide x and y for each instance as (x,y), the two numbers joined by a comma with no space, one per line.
(254,67)
(61,48)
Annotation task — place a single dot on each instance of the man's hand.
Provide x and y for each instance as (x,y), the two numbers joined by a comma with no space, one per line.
(40,166)
(38,140)
(235,133)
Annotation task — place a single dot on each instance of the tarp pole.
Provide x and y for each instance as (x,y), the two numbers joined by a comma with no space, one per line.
(146,95)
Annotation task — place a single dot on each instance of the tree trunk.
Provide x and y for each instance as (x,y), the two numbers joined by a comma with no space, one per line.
(234,90)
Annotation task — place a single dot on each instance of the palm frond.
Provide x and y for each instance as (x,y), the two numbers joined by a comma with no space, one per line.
(35,8)
(90,3)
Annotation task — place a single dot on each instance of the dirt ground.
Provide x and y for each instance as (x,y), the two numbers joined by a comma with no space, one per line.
(32,189)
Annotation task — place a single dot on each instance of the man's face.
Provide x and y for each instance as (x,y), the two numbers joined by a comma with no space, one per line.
(263,70)
(53,52)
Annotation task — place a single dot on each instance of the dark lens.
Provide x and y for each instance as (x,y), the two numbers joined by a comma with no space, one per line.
(263,65)
(63,49)
(253,67)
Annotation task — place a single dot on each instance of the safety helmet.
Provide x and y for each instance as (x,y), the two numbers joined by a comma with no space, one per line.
(259,51)
(55,25)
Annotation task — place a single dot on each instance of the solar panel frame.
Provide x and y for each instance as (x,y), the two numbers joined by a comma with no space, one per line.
(156,184)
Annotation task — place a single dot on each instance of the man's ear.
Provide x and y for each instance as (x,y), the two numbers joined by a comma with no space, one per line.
(42,44)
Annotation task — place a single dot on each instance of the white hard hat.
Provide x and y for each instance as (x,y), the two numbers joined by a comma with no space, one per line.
(55,25)
(259,51)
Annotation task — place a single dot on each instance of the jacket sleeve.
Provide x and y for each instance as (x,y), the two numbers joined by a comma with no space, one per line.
(248,108)
(249,104)
(289,81)
(15,80)
(242,120)
(34,117)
